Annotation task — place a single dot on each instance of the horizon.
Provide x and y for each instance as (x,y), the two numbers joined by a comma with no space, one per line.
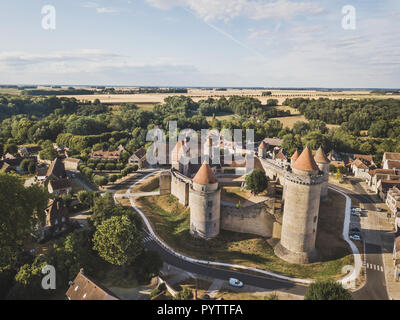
(202,44)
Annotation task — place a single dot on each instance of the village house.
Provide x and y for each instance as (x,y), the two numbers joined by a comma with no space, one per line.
(391,160)
(393,200)
(385,185)
(56,170)
(62,151)
(281,158)
(106,155)
(9,163)
(139,158)
(26,151)
(59,186)
(359,169)
(85,288)
(335,159)
(396,258)
(57,217)
(72,164)
(374,176)
(273,143)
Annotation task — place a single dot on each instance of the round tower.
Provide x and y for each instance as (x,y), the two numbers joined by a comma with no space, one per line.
(300,214)
(323,165)
(204,203)
(262,150)
(294,157)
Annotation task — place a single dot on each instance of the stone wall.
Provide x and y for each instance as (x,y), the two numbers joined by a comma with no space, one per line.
(256,219)
(165,183)
(180,189)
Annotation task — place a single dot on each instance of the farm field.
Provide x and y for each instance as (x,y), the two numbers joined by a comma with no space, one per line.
(199,94)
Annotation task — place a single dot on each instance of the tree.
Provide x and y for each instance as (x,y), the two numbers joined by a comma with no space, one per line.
(256,181)
(327,290)
(21,210)
(118,241)
(185,294)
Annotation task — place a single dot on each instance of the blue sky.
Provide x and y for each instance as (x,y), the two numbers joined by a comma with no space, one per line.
(268,43)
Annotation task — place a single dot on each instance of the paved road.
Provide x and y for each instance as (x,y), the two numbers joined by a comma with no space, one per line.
(375,286)
(223,274)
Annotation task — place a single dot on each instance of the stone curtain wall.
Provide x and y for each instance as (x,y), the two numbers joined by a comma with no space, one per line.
(257,219)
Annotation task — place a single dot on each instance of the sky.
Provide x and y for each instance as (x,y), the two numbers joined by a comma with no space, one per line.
(203,43)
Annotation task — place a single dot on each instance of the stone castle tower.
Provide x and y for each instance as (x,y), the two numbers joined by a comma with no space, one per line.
(204,203)
(323,165)
(294,157)
(301,208)
(262,150)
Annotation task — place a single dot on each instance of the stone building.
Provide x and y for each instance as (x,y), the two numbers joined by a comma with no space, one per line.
(204,203)
(393,200)
(304,182)
(301,208)
(323,165)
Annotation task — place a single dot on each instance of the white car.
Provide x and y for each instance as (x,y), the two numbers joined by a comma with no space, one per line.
(355,237)
(356,209)
(235,282)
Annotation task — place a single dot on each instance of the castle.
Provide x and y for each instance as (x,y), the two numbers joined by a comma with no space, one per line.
(305,184)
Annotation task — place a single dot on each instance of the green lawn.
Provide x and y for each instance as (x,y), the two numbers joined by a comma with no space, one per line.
(171,222)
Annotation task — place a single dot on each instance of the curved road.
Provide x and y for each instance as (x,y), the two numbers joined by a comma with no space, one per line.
(374,289)
(375,286)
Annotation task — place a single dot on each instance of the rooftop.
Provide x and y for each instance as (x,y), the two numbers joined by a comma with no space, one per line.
(320,156)
(295,155)
(306,162)
(205,175)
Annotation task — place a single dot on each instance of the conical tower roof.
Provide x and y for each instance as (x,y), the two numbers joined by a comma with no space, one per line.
(205,175)
(320,156)
(262,145)
(295,155)
(306,161)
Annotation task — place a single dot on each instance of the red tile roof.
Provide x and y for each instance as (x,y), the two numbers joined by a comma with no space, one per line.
(295,155)
(205,175)
(306,161)
(320,156)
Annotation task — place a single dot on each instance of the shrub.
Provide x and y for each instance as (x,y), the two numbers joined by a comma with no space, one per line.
(327,290)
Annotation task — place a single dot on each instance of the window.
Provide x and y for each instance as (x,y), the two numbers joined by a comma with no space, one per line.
(209,204)
(315,219)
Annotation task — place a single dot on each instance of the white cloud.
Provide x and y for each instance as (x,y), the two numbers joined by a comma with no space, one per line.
(100,9)
(88,66)
(228,9)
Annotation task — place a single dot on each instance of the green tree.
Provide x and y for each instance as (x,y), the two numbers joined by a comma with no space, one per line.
(327,290)
(256,181)
(21,210)
(118,241)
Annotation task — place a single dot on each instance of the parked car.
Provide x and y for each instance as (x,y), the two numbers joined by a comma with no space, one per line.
(356,209)
(379,209)
(235,283)
(356,213)
(355,237)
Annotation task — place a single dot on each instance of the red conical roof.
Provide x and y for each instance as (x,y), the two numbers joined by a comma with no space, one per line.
(306,161)
(320,156)
(295,155)
(262,145)
(205,175)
